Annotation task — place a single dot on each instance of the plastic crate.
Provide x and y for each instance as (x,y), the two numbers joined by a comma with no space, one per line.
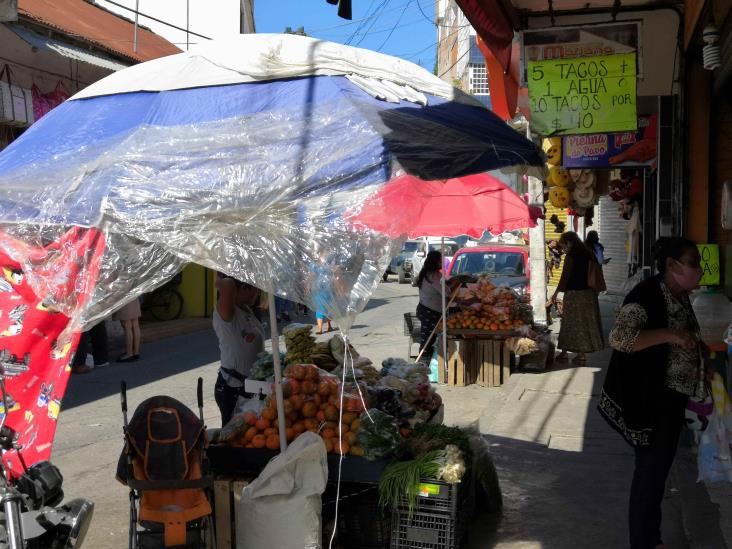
(440,517)
(362,523)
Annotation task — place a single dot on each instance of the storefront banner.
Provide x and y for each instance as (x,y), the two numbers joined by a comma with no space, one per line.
(709,264)
(610,150)
(584,95)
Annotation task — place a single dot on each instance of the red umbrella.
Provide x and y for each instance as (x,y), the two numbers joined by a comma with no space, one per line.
(466,205)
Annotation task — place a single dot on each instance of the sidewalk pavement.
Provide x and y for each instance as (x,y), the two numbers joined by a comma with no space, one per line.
(565,474)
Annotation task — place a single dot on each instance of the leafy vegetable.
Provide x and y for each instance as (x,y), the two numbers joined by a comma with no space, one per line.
(401,479)
(430,436)
(380,437)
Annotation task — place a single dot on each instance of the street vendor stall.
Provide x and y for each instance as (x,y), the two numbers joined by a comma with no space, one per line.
(487,329)
(234,162)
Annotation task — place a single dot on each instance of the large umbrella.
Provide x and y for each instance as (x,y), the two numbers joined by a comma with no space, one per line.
(242,157)
(468,205)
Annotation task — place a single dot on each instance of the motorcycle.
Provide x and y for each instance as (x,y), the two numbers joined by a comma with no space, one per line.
(31,516)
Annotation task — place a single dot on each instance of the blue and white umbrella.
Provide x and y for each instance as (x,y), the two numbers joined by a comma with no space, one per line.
(243,156)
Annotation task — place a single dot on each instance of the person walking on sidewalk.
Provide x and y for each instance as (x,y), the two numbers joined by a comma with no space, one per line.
(94,340)
(655,367)
(129,317)
(581,328)
(241,339)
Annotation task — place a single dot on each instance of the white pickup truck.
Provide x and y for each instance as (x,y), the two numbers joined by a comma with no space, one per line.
(409,268)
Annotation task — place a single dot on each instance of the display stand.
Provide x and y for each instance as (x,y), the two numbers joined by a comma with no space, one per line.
(476,357)
(227,494)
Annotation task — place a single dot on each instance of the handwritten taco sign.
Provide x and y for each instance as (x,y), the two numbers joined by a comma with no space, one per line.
(583,95)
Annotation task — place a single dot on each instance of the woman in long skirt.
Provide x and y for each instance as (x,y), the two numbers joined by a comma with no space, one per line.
(581,329)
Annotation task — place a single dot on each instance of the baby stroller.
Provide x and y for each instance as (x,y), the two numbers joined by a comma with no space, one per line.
(163,463)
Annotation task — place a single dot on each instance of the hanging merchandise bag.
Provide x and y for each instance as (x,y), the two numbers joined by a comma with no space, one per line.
(281,507)
(715,446)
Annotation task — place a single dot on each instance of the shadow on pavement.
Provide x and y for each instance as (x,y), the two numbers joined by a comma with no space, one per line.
(159,360)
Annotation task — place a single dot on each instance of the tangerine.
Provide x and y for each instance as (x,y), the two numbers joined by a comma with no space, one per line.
(328,433)
(269,413)
(250,434)
(308,387)
(309,409)
(250,417)
(270,431)
(290,434)
(341,447)
(328,445)
(294,386)
(320,416)
(331,413)
(311,425)
(273,442)
(296,401)
(356,424)
(298,427)
(263,424)
(259,441)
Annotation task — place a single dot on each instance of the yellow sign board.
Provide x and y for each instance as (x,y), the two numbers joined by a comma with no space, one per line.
(709,264)
(583,95)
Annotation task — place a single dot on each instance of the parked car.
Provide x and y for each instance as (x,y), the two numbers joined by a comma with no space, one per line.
(407,251)
(412,264)
(505,264)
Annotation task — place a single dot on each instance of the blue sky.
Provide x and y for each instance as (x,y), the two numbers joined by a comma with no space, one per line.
(395,27)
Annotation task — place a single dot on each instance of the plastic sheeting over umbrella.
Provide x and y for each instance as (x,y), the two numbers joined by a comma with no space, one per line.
(468,205)
(242,157)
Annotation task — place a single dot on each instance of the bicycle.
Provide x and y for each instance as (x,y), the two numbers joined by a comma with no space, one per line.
(166,302)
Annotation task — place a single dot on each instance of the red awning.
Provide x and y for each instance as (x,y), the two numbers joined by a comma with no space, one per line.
(493,24)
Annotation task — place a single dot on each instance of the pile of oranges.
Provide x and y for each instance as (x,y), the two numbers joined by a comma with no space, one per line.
(481,319)
(311,403)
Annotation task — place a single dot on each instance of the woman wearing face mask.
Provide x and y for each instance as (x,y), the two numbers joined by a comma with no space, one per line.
(655,367)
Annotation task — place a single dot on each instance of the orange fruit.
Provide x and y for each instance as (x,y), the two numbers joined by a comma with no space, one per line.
(297,371)
(311,372)
(323,389)
(355,425)
(294,386)
(349,417)
(273,442)
(250,417)
(317,399)
(345,428)
(331,413)
(311,425)
(296,401)
(268,413)
(308,387)
(298,427)
(328,433)
(250,434)
(341,447)
(270,431)
(328,445)
(351,439)
(309,409)
(263,424)
(290,434)
(259,441)
(320,416)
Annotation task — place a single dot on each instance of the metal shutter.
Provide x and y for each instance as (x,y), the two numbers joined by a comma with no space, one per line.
(611,228)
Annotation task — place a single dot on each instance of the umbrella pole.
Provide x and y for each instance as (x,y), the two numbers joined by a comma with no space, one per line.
(277,370)
(444,310)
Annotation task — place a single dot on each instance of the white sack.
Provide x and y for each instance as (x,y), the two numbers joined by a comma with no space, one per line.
(281,508)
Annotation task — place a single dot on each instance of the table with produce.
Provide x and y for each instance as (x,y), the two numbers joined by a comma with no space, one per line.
(382,428)
(488,327)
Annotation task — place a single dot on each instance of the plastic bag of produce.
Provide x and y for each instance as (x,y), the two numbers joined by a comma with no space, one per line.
(244,404)
(281,507)
(378,435)
(715,445)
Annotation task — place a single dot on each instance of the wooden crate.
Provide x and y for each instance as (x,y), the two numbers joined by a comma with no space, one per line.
(227,494)
(486,362)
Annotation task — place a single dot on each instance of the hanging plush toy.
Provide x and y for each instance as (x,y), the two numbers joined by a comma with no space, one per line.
(584,197)
(558,177)
(559,197)
(553,150)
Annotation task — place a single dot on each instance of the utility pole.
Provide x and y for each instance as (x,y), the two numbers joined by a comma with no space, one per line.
(134,39)
(246,21)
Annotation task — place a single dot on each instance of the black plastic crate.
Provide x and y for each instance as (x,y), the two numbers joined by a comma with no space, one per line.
(439,519)
(362,523)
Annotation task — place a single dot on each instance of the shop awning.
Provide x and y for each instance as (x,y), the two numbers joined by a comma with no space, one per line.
(493,23)
(64,49)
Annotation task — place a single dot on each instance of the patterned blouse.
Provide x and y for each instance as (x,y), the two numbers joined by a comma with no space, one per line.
(685,372)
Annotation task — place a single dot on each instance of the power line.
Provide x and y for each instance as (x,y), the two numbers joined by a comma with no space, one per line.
(378,12)
(156,19)
(455,63)
(357,21)
(395,26)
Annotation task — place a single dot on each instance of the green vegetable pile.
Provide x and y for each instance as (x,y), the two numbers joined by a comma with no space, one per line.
(427,437)
(380,437)
(401,479)
(299,342)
